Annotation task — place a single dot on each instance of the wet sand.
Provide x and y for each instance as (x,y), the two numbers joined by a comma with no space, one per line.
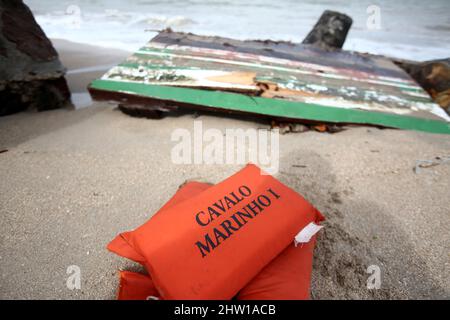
(72,179)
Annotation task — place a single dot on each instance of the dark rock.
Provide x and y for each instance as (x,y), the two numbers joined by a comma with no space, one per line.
(31,75)
(433,76)
(330,31)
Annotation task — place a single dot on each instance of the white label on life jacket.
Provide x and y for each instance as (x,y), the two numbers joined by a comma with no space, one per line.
(307,233)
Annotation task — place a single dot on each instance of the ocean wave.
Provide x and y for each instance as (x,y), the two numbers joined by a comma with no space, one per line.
(166,22)
(71,18)
(126,26)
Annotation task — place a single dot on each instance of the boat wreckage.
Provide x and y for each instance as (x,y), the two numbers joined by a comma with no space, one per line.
(281,81)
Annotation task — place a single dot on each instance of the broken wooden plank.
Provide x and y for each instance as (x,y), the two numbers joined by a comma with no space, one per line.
(273,70)
(277,108)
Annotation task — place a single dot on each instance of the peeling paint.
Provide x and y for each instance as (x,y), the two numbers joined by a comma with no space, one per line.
(344,80)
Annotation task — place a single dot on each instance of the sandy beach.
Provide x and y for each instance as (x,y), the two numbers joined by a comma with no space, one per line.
(72,179)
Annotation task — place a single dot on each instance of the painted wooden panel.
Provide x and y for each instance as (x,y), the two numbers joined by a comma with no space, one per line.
(277,71)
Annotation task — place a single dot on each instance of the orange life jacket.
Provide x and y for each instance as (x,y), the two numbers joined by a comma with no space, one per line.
(211,246)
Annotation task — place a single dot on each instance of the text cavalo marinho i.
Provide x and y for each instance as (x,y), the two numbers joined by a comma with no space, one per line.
(236,220)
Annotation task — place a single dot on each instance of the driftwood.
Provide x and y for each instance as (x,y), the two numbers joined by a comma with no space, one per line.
(330,31)
(31,75)
(142,111)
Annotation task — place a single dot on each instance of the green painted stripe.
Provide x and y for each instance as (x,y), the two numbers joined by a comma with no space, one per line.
(154,66)
(418,89)
(273,107)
